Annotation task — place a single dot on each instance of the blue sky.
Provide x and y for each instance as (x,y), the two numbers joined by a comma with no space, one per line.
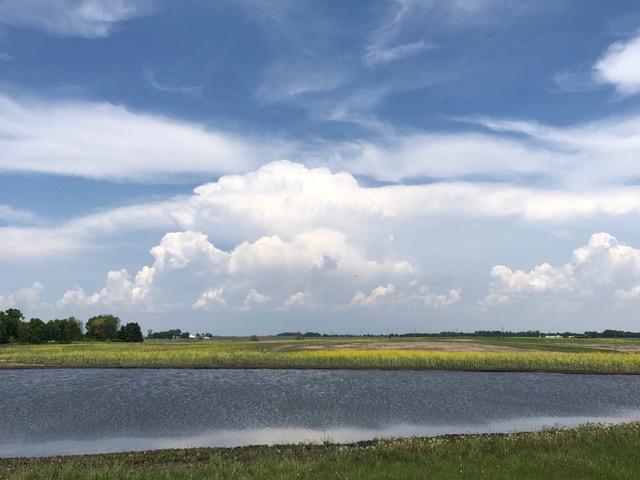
(254,167)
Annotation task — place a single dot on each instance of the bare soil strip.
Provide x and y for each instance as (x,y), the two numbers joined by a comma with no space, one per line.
(421,346)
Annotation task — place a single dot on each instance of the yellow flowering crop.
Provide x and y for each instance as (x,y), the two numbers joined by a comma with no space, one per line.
(221,354)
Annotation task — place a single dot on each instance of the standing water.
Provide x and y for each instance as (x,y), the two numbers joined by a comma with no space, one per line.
(74,411)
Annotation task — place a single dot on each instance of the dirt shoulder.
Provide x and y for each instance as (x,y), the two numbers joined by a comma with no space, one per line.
(16,366)
(461,346)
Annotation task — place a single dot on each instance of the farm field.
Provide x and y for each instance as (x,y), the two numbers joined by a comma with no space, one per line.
(591,451)
(472,354)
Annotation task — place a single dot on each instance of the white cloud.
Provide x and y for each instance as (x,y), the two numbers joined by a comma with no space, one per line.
(5,57)
(447,156)
(28,297)
(119,293)
(254,298)
(152,79)
(287,79)
(620,66)
(285,199)
(630,294)
(377,55)
(439,301)
(105,141)
(409,299)
(297,298)
(210,296)
(360,299)
(411,16)
(598,153)
(189,271)
(18,215)
(602,270)
(73,18)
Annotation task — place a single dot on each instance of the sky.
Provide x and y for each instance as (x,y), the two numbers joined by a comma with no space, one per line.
(246,167)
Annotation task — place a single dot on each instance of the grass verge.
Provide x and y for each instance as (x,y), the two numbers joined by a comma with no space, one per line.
(591,451)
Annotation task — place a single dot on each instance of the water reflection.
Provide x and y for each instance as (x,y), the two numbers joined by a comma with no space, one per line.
(90,411)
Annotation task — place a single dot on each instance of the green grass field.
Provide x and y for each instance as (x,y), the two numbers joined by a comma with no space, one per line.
(474,354)
(589,452)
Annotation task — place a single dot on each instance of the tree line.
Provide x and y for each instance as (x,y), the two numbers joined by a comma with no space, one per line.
(14,328)
(174,334)
(477,333)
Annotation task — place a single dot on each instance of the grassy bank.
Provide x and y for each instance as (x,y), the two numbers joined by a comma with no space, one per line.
(574,357)
(603,452)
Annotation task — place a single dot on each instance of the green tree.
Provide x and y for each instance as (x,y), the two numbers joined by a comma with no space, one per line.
(65,331)
(37,331)
(130,332)
(121,335)
(54,330)
(23,332)
(10,321)
(102,327)
(72,330)
(133,333)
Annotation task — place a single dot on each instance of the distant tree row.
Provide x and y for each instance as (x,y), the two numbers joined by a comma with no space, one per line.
(14,328)
(477,333)
(174,334)
(167,334)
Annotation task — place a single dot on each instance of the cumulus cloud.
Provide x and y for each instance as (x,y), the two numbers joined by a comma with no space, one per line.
(73,18)
(120,291)
(28,297)
(602,270)
(297,298)
(422,298)
(376,294)
(439,301)
(253,299)
(318,268)
(619,66)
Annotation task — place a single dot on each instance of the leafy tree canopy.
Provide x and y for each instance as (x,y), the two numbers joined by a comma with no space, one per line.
(103,327)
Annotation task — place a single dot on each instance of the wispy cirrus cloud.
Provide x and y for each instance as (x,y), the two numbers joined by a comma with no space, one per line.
(73,18)
(377,54)
(288,80)
(154,82)
(106,141)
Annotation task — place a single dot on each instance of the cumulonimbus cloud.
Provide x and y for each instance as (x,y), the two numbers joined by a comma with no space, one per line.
(284,198)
